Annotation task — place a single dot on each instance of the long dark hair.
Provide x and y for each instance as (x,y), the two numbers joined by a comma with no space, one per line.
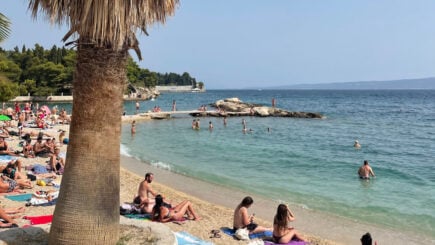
(281,217)
(156,208)
(246,202)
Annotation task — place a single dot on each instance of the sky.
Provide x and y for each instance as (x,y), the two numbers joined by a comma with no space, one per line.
(250,43)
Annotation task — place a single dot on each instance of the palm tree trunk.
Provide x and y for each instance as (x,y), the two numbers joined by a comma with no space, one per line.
(87,211)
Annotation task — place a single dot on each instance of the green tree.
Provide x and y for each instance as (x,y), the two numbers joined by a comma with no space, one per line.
(200,85)
(8,90)
(81,217)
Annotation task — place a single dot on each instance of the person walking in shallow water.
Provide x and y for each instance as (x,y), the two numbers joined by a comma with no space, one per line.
(133,127)
(365,171)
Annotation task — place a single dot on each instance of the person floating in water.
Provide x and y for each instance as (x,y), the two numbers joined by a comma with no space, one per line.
(365,171)
(356,144)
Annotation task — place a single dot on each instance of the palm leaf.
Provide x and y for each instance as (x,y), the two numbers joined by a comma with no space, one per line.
(105,23)
(4,27)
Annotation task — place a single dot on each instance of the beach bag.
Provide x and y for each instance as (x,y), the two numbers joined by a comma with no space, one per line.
(242,234)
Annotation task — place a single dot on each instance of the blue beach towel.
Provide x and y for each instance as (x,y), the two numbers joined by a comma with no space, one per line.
(184,238)
(6,158)
(20,197)
(260,235)
(138,216)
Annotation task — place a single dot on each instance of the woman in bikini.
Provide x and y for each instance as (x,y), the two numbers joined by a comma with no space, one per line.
(282,233)
(164,213)
(57,163)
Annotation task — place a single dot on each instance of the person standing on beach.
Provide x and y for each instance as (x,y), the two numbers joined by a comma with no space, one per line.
(137,106)
(242,219)
(365,171)
(174,105)
(143,198)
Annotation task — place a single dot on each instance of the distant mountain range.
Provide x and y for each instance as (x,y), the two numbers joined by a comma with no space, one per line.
(420,83)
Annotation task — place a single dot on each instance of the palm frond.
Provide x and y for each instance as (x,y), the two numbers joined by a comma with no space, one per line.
(4,27)
(105,23)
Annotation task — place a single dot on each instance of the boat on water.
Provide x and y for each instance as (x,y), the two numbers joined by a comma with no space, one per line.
(196,90)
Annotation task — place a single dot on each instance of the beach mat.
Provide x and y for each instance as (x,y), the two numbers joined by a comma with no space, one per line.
(138,216)
(19,197)
(49,203)
(6,158)
(39,220)
(293,242)
(260,235)
(184,238)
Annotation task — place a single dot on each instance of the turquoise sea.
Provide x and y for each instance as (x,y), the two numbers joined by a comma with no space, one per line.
(308,162)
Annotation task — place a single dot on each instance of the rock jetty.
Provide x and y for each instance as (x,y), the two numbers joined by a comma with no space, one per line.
(236,107)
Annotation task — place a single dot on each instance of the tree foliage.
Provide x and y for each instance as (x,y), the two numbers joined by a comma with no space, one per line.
(44,72)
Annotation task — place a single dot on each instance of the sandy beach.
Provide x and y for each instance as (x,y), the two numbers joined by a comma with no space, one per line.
(213,203)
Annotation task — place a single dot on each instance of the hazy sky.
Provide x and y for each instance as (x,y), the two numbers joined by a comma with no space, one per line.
(251,43)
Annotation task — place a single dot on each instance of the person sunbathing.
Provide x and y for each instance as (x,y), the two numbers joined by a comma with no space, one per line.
(163,212)
(12,170)
(10,185)
(9,220)
(4,148)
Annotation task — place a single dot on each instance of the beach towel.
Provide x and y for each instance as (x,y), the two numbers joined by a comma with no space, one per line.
(293,242)
(19,197)
(138,216)
(48,203)
(260,235)
(184,238)
(39,220)
(6,158)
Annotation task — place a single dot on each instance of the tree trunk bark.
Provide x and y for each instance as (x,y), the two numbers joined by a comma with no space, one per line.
(87,211)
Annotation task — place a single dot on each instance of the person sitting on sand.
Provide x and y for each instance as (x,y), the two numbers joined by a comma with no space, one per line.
(164,213)
(4,148)
(28,148)
(282,233)
(365,171)
(366,239)
(62,136)
(40,149)
(143,199)
(57,163)
(243,220)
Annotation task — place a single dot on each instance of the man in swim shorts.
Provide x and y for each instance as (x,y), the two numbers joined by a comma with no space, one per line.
(365,171)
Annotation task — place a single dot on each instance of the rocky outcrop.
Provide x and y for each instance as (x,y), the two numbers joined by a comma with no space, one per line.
(236,107)
(141,93)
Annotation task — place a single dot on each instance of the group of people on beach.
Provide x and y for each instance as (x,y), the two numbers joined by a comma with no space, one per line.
(159,207)
(162,210)
(28,127)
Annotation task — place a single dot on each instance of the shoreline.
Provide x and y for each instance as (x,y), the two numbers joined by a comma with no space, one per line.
(327,228)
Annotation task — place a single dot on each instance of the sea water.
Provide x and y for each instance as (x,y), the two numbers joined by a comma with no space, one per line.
(307,162)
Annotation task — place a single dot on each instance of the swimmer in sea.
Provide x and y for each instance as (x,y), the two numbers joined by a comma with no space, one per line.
(365,171)
(356,144)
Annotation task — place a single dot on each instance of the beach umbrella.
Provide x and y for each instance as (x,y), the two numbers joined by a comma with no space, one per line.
(4,118)
(46,109)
